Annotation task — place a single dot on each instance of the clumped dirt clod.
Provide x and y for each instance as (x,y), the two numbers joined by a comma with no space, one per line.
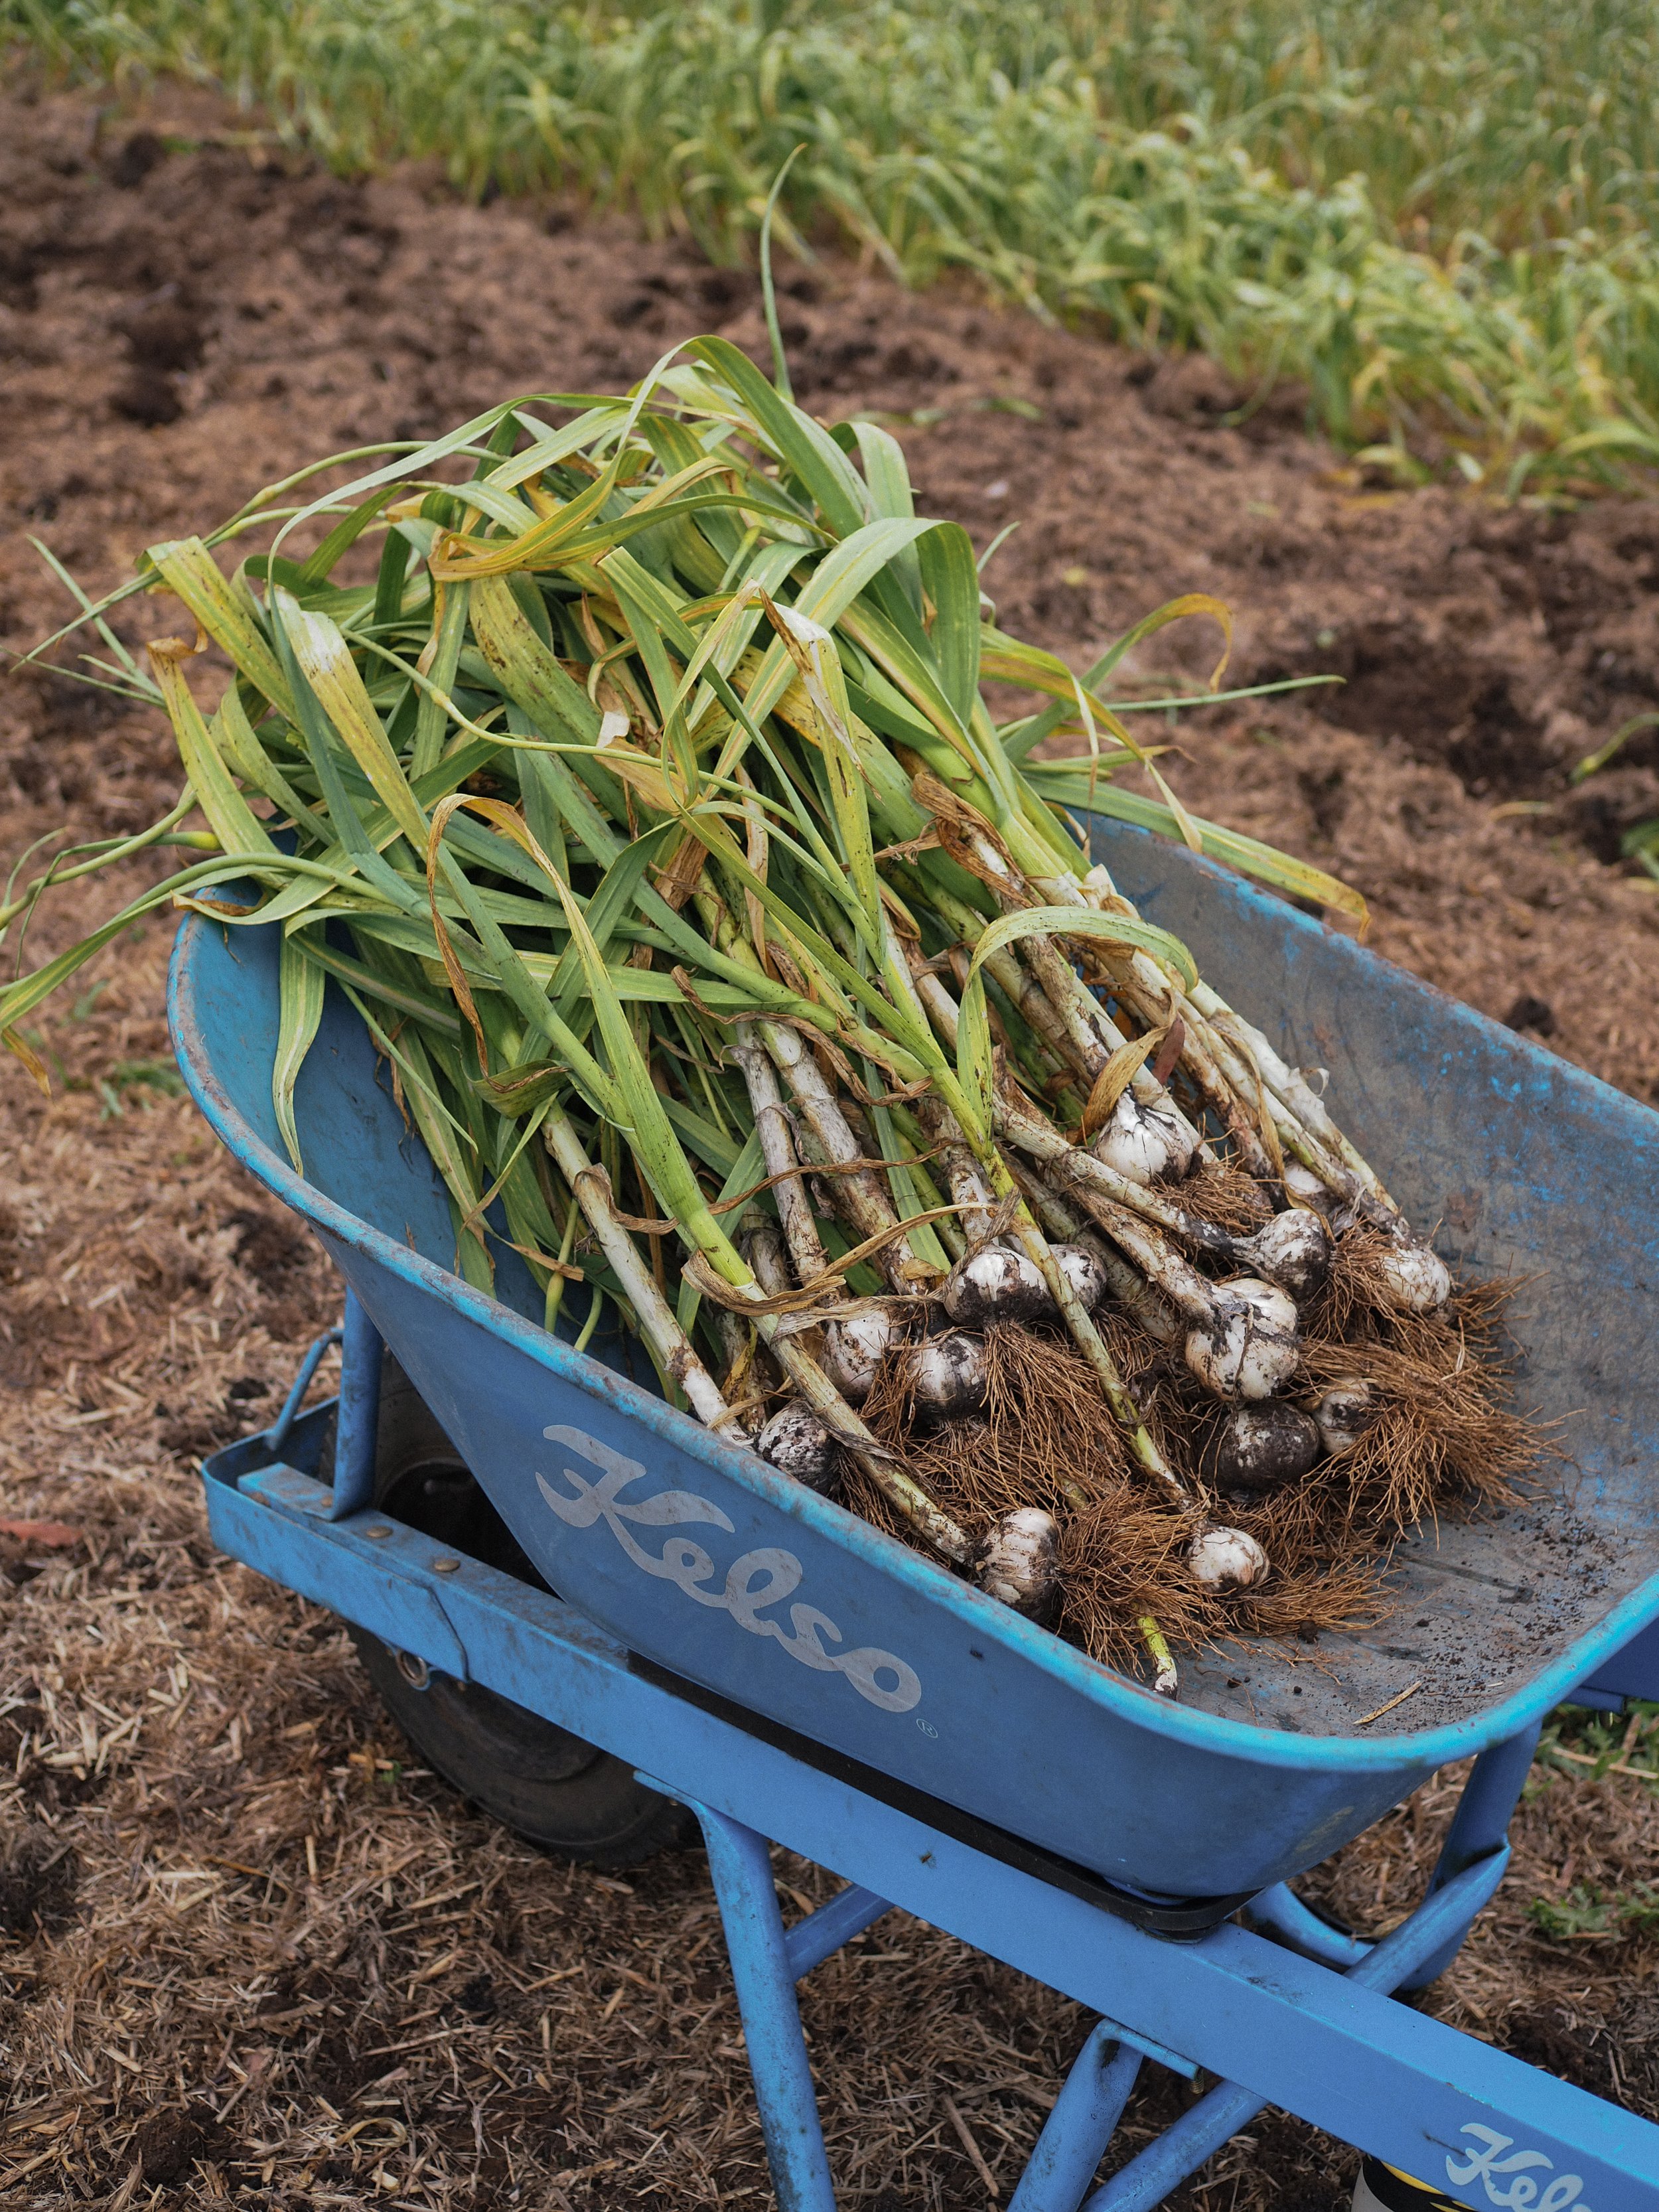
(272,1915)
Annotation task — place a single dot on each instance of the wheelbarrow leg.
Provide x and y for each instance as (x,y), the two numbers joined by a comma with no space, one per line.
(1480,1825)
(742,1870)
(1076,2133)
(357,1422)
(1165,2164)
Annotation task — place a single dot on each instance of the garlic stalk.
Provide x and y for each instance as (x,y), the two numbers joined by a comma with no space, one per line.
(859,1189)
(1241,1344)
(800,1230)
(1091,1035)
(670,1346)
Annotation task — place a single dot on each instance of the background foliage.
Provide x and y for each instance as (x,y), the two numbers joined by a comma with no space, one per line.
(1439,217)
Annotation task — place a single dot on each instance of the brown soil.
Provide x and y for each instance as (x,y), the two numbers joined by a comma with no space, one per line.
(243,1946)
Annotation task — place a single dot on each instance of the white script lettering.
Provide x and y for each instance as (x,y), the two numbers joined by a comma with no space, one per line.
(1522,2194)
(753,1581)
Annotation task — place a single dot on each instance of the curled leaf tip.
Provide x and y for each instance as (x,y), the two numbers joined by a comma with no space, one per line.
(15,1042)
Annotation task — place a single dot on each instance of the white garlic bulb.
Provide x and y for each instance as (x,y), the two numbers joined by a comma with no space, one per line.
(996,1283)
(1345,1413)
(1020,1564)
(1263,1447)
(1227,1559)
(947,1377)
(1085,1272)
(796,1441)
(1293,1250)
(1250,1348)
(1414,1277)
(1304,1186)
(1145,1143)
(853,1349)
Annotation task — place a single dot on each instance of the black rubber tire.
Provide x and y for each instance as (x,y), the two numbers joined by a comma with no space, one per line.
(550,1787)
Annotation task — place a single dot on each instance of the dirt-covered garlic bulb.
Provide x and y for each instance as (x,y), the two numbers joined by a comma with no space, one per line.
(1344,1414)
(947,1377)
(1303,1188)
(1293,1250)
(1145,1143)
(797,1443)
(1414,1277)
(1020,1564)
(1262,1447)
(1085,1272)
(1248,1346)
(995,1283)
(1225,1560)
(853,1349)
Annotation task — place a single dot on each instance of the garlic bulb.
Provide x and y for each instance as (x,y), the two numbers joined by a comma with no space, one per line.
(1261,1448)
(1414,1277)
(1020,1564)
(853,1349)
(797,1443)
(1248,1347)
(1086,1271)
(1345,1413)
(1303,1187)
(946,1376)
(1227,1559)
(1145,1143)
(1293,1250)
(995,1283)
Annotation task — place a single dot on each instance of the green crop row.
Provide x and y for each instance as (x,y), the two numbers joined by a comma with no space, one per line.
(1439,217)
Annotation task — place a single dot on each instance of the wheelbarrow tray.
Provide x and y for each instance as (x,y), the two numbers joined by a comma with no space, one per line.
(706,1561)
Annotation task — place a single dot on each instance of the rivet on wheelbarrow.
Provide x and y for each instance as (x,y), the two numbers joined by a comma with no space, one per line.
(380,1530)
(444,1566)
(415,1671)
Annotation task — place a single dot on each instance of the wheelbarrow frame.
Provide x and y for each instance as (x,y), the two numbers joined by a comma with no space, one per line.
(1287,2010)
(882,1654)
(1284,2010)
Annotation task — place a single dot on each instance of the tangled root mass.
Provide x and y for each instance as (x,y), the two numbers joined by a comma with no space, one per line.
(1434,1438)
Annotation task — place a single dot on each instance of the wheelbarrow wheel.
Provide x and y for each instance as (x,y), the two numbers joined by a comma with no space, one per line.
(550,1787)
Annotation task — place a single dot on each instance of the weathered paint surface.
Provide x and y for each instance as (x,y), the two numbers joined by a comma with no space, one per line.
(1549,1170)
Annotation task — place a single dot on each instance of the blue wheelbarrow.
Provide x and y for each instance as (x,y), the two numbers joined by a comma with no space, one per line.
(598,1618)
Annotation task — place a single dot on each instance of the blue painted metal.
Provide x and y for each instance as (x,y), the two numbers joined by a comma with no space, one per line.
(1271,2025)
(1440,1924)
(779,1599)
(822,1934)
(1280,1911)
(1082,2124)
(1632,1672)
(277,1435)
(1478,1828)
(765,1981)
(357,1422)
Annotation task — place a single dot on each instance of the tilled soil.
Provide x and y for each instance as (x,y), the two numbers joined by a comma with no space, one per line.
(246,1948)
